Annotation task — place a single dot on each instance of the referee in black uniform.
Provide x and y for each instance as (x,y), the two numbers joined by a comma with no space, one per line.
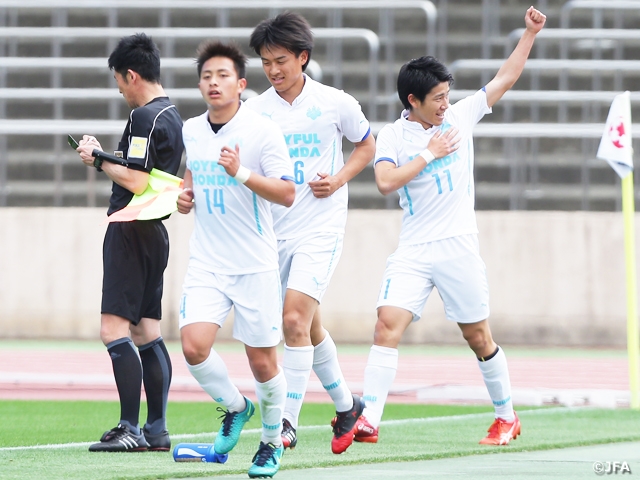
(135,253)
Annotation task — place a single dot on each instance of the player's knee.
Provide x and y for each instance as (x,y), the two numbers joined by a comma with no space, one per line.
(194,353)
(142,338)
(105,336)
(113,327)
(263,368)
(145,332)
(477,340)
(387,333)
(296,326)
(108,334)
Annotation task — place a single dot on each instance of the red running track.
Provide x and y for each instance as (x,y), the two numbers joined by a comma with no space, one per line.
(54,373)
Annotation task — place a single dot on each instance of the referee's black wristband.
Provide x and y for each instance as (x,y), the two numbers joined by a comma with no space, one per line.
(97,162)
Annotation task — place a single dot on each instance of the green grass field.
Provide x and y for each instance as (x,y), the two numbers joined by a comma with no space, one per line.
(49,439)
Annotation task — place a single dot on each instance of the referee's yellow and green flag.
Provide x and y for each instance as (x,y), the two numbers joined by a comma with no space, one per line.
(617,150)
(157,201)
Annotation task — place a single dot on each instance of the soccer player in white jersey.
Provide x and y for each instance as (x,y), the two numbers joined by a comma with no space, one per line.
(237,163)
(314,118)
(427,156)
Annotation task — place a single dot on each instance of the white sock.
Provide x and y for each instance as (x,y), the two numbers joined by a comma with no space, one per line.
(296,363)
(496,378)
(378,377)
(327,368)
(213,377)
(271,396)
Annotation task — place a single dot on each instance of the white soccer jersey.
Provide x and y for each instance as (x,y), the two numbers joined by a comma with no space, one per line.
(313,128)
(439,202)
(233,232)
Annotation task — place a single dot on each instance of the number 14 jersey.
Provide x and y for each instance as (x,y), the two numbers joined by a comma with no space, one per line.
(233,233)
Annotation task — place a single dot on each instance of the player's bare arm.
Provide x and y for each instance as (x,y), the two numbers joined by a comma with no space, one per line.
(514,65)
(390,178)
(185,199)
(135,181)
(359,158)
(275,190)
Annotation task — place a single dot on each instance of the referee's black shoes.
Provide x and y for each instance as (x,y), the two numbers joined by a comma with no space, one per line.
(120,439)
(159,442)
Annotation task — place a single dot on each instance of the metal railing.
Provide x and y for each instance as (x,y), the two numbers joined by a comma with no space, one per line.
(61,34)
(597,38)
(550,65)
(334,10)
(519,190)
(67,34)
(559,67)
(596,34)
(80,63)
(55,65)
(597,7)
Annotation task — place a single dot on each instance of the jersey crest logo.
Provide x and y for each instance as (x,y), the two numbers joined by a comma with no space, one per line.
(236,141)
(314,112)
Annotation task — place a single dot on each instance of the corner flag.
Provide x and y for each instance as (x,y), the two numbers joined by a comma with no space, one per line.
(615,146)
(157,201)
(616,149)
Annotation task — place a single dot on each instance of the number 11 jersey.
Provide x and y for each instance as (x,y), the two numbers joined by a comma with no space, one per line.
(439,202)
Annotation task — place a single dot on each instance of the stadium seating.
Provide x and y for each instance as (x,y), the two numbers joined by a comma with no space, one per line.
(54,80)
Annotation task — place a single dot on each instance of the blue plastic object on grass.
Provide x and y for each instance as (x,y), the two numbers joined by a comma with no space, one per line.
(198,452)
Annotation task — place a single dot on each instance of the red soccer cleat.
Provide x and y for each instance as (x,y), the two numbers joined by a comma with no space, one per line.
(365,432)
(344,426)
(502,432)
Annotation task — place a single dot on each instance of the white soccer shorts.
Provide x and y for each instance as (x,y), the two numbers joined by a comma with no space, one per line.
(452,265)
(256,298)
(308,262)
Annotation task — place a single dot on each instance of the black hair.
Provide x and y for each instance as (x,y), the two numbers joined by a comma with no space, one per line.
(419,76)
(213,48)
(287,30)
(138,53)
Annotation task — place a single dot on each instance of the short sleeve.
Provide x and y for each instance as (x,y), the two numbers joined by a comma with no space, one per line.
(353,124)
(139,152)
(386,146)
(466,113)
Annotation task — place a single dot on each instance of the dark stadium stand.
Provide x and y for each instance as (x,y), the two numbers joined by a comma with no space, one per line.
(54,79)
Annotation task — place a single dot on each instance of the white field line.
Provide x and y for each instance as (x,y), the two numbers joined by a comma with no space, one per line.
(211,435)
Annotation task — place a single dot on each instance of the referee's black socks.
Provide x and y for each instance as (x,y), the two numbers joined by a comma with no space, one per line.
(156,374)
(127,371)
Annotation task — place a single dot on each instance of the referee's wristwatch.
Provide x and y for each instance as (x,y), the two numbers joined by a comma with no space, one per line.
(97,162)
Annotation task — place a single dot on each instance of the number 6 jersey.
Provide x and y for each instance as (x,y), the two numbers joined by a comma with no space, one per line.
(313,127)
(439,202)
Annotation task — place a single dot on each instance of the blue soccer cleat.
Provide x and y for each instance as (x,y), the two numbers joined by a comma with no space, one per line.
(232,425)
(266,461)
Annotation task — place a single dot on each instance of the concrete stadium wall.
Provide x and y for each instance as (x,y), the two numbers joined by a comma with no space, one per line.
(556,278)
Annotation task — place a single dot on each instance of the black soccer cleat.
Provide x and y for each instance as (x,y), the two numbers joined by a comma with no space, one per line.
(159,442)
(289,437)
(120,439)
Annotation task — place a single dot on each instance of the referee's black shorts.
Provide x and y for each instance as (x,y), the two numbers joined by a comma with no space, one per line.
(134,256)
